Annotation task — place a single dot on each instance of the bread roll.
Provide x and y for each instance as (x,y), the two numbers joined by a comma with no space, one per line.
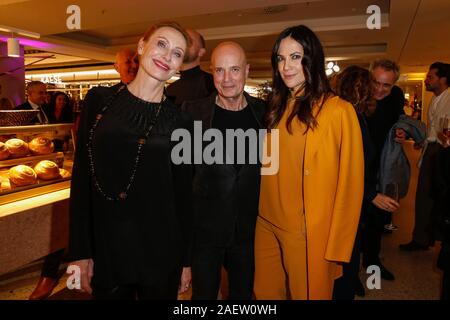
(22,175)
(17,148)
(47,170)
(41,145)
(64,173)
(4,152)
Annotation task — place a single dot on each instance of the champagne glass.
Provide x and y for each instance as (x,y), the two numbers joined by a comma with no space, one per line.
(392,192)
(446,126)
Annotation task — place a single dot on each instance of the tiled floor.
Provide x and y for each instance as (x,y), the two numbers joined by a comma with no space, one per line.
(416,274)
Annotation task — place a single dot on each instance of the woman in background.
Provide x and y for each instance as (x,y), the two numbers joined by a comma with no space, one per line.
(59,110)
(309,210)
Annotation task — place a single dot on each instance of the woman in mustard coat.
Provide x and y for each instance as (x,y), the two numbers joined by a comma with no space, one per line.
(309,210)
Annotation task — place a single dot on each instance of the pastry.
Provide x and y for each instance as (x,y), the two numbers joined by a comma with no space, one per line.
(47,170)
(17,148)
(22,175)
(64,173)
(41,145)
(4,152)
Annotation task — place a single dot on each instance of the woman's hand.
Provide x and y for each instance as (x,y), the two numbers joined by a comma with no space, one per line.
(86,267)
(185,281)
(385,203)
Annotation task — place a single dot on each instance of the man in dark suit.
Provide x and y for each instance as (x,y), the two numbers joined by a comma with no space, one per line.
(194,83)
(36,92)
(226,193)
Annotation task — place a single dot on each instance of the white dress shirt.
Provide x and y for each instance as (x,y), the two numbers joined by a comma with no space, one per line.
(439,108)
(41,115)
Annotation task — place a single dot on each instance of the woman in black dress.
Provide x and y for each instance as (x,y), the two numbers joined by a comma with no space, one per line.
(130,205)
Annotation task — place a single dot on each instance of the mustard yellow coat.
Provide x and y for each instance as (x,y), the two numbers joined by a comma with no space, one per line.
(333,184)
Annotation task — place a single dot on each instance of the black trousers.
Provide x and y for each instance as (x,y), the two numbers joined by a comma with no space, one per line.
(345,286)
(51,264)
(207,261)
(373,223)
(163,288)
(423,228)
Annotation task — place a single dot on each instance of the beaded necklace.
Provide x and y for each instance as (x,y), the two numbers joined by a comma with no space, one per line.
(141,142)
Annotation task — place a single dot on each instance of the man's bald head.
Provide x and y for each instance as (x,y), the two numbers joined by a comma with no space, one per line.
(229,48)
(126,65)
(230,69)
(36,91)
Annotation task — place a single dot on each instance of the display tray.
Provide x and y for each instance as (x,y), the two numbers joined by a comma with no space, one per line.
(33,192)
(17,117)
(30,159)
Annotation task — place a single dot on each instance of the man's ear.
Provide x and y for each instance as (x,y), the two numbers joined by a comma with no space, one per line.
(201,52)
(247,70)
(116,67)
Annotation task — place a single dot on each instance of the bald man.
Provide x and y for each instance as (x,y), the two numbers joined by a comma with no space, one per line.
(194,83)
(126,65)
(226,195)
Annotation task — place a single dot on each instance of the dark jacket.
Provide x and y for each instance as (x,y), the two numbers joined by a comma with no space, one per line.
(193,84)
(225,200)
(27,106)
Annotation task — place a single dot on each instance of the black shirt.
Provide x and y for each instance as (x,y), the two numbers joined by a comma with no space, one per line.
(226,119)
(193,84)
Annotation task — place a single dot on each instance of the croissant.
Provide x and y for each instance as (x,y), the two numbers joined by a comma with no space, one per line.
(41,145)
(47,170)
(4,152)
(17,148)
(22,175)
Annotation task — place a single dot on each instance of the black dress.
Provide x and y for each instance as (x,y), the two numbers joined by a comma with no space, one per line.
(146,237)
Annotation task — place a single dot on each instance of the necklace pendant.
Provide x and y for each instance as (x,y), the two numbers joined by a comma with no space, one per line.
(99,116)
(122,195)
(142,141)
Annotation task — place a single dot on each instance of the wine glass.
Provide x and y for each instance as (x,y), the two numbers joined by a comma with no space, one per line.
(392,192)
(446,126)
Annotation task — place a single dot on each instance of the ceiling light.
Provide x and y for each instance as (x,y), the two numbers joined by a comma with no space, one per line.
(329,72)
(330,65)
(13,48)
(336,68)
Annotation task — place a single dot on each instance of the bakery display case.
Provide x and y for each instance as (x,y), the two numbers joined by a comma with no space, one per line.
(35,160)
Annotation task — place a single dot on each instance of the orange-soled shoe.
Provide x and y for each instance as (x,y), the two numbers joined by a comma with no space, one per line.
(44,288)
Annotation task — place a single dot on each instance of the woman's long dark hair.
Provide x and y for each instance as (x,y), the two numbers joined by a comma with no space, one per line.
(66,113)
(316,87)
(354,85)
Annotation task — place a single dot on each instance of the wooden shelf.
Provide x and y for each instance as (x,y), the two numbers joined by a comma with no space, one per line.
(29,159)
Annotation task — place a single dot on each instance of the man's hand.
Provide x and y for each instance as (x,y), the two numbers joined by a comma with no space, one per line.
(400,135)
(385,203)
(444,139)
